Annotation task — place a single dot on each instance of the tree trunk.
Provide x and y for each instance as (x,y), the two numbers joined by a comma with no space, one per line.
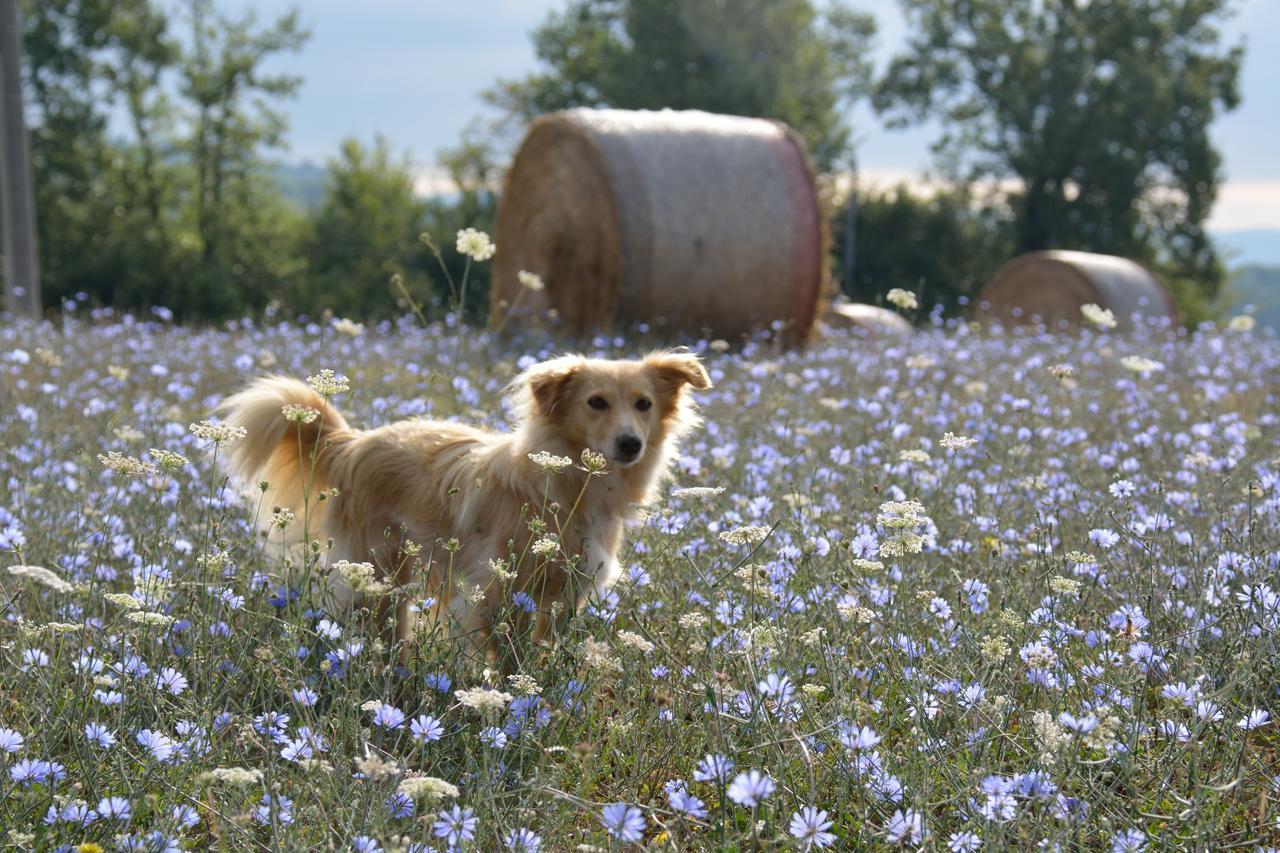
(17,210)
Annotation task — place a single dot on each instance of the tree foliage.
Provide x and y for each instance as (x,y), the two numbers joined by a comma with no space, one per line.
(364,232)
(171,204)
(1097,113)
(782,59)
(942,246)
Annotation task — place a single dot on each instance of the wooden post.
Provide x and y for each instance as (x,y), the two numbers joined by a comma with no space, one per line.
(17,200)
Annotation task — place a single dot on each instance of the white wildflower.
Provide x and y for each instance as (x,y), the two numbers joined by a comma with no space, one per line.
(1241,323)
(593,462)
(123,599)
(1139,364)
(523,684)
(326,383)
(545,547)
(150,617)
(167,459)
(632,640)
(951,441)
(475,244)
(42,576)
(238,777)
(549,461)
(129,466)
(902,517)
(218,434)
(920,361)
(1098,316)
(483,699)
(692,621)
(343,326)
(299,414)
(904,299)
(361,577)
(697,493)
(531,281)
(429,789)
(746,535)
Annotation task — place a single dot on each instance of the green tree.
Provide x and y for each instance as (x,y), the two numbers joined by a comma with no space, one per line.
(175,206)
(365,231)
(781,59)
(1098,112)
(966,244)
(234,204)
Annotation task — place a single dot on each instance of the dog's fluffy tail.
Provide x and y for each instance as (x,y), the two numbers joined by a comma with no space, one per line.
(293,457)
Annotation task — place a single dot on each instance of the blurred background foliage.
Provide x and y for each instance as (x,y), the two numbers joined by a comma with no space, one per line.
(1068,125)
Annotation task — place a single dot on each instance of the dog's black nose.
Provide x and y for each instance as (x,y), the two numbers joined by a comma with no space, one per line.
(629,447)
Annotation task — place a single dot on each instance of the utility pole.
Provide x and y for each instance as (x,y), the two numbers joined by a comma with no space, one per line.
(17,199)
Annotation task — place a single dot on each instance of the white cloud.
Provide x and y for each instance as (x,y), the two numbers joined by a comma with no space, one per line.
(1246,205)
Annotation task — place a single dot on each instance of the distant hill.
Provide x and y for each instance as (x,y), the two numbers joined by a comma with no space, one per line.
(1258,246)
(1254,288)
(301,183)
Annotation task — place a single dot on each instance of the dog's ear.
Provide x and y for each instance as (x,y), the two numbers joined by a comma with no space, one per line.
(676,369)
(548,381)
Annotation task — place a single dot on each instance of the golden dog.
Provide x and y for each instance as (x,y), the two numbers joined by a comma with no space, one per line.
(384,494)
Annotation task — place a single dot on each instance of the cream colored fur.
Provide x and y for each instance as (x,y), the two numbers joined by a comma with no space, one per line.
(426,482)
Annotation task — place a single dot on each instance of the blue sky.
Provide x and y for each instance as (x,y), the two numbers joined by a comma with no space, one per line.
(413,70)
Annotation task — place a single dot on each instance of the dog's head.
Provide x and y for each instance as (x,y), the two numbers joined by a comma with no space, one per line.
(626,410)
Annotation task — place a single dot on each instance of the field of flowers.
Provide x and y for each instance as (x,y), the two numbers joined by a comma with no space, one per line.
(960,591)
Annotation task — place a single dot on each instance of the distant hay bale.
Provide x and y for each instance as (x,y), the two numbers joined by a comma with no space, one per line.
(871,320)
(683,220)
(1051,288)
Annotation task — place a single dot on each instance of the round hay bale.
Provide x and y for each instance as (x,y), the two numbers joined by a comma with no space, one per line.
(684,220)
(871,320)
(1051,288)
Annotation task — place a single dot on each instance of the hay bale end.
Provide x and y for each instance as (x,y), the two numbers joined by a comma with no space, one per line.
(871,320)
(1052,287)
(684,220)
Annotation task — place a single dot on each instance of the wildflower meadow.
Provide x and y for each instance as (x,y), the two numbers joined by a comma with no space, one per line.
(962,590)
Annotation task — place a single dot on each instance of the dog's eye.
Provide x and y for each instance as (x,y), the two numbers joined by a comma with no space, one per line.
(598,403)
(644,404)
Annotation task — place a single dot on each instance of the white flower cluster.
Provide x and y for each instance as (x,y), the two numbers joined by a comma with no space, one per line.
(545,547)
(1098,316)
(361,577)
(350,328)
(632,640)
(904,299)
(299,414)
(951,441)
(531,281)
(902,518)
(326,383)
(698,493)
(549,461)
(429,789)
(236,776)
(747,535)
(475,244)
(128,466)
(483,699)
(217,434)
(167,459)
(42,576)
(1140,364)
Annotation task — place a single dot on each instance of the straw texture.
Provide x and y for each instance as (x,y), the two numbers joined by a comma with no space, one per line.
(684,220)
(872,320)
(1051,288)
